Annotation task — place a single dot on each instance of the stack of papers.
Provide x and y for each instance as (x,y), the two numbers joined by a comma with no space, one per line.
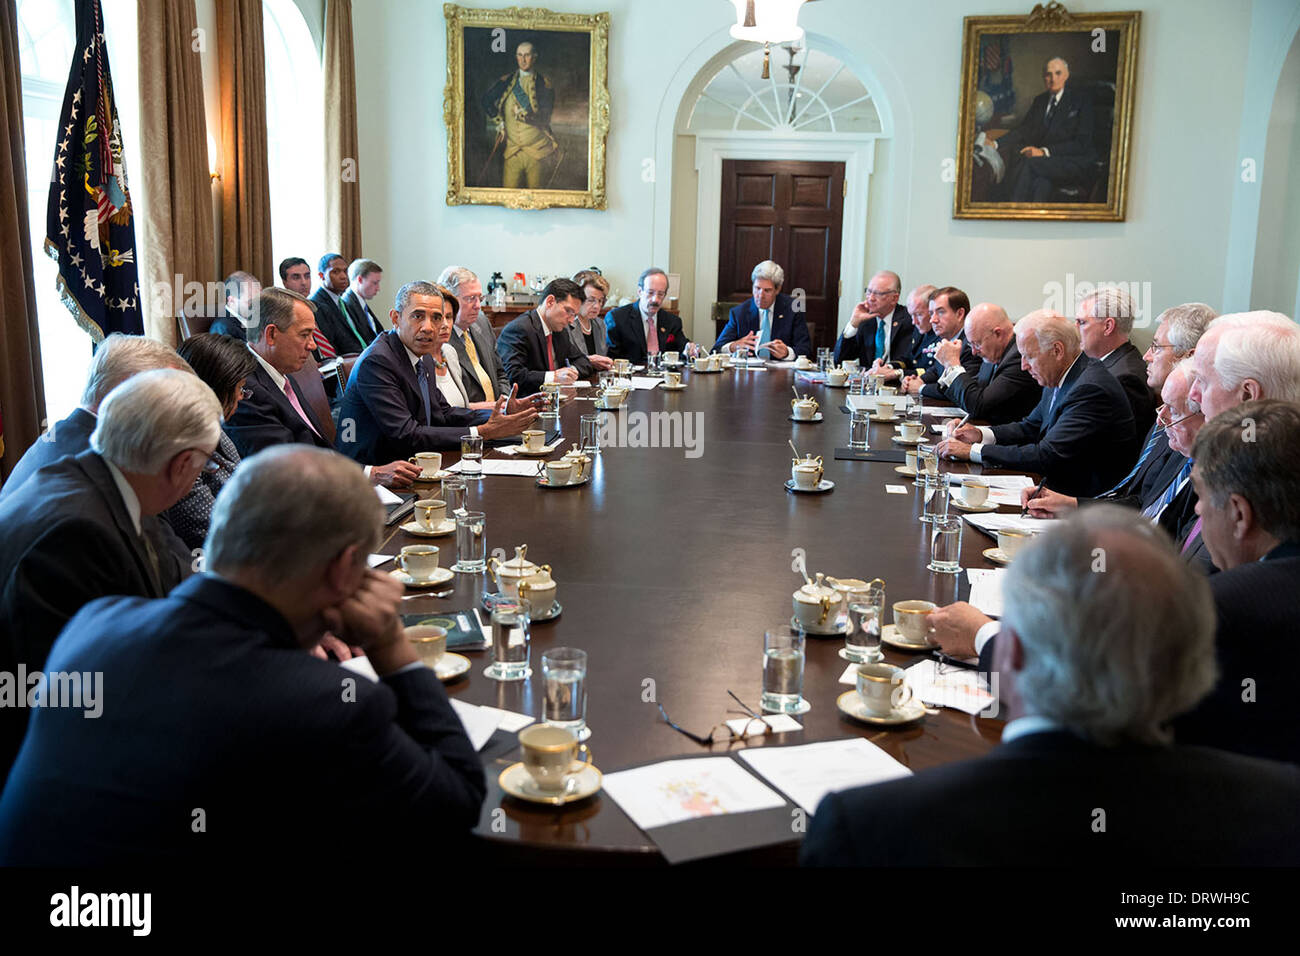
(502,466)
(942,411)
(808,772)
(675,790)
(986,589)
(991,524)
(957,687)
(1001,482)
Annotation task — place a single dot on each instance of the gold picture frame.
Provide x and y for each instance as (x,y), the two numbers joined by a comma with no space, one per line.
(526,129)
(1006,167)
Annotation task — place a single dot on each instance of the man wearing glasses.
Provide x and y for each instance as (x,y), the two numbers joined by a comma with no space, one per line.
(879,328)
(473,339)
(536,348)
(639,328)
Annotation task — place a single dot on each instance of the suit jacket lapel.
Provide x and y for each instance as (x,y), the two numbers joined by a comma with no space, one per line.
(97,471)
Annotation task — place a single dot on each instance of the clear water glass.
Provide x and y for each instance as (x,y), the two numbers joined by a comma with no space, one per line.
(564,700)
(823,359)
(471,542)
(866,618)
(589,435)
(935,491)
(859,428)
(927,457)
(945,545)
(783,660)
(471,455)
(456,493)
(511,638)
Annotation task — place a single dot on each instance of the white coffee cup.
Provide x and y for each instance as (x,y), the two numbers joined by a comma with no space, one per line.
(419,561)
(702,363)
(912,430)
(673,378)
(910,459)
(559,472)
(550,756)
(885,410)
(429,641)
(974,492)
(534,439)
(430,463)
(912,620)
(851,365)
(1010,541)
(882,688)
(430,512)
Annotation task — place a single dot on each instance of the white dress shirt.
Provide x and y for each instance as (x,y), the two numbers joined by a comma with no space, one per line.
(129,497)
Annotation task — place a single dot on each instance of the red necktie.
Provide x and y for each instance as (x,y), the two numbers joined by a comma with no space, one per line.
(651,337)
(550,353)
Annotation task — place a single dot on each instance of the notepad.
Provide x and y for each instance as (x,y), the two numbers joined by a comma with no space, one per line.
(807,773)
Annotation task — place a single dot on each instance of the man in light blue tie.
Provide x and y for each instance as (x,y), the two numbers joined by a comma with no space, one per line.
(768,321)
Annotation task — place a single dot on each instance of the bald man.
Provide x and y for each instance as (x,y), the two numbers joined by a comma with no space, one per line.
(880,327)
(1001,391)
(1080,438)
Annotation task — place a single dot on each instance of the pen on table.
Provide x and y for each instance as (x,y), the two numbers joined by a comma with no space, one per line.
(1036,492)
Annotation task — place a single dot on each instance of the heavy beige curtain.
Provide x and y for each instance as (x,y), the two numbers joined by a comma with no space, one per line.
(176,234)
(245,182)
(22,387)
(342,189)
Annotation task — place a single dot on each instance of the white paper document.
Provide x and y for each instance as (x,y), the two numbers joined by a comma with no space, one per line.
(942,411)
(646,382)
(676,790)
(387,497)
(375,560)
(503,466)
(986,589)
(808,772)
(480,723)
(957,687)
(1000,482)
(992,523)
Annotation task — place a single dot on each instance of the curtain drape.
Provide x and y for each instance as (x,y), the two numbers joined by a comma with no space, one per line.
(22,386)
(245,181)
(342,188)
(177,232)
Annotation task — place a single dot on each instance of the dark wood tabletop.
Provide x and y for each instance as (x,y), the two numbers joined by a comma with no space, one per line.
(669,568)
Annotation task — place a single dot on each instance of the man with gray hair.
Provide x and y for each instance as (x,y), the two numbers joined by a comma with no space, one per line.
(89,528)
(1080,437)
(1105,320)
(767,321)
(116,359)
(879,332)
(242,290)
(1091,667)
(1246,356)
(216,702)
(364,277)
(472,337)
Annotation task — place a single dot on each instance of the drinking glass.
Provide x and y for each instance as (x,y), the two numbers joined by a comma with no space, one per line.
(945,545)
(783,659)
(859,427)
(935,490)
(589,435)
(471,542)
(455,492)
(928,458)
(823,359)
(471,456)
(866,613)
(914,411)
(564,701)
(510,642)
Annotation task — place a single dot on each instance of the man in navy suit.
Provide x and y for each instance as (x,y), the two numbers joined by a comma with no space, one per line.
(626,327)
(1053,145)
(242,289)
(1091,668)
(536,348)
(116,359)
(766,321)
(1105,320)
(949,307)
(364,278)
(393,407)
(87,526)
(880,330)
(999,391)
(1080,438)
(330,321)
(222,737)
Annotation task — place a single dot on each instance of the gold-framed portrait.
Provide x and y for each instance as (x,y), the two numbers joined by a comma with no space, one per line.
(526,107)
(1046,115)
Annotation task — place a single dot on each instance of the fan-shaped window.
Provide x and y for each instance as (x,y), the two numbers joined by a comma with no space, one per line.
(295,128)
(809,92)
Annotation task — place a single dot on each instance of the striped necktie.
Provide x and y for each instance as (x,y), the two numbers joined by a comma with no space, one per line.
(1146,453)
(1153,510)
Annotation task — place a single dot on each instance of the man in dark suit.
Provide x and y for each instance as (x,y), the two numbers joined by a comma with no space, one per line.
(212,701)
(242,289)
(393,406)
(482,374)
(116,359)
(87,525)
(1080,437)
(1249,518)
(767,320)
(1053,145)
(1091,667)
(879,331)
(1105,319)
(330,320)
(626,327)
(536,349)
(949,308)
(364,277)
(1000,391)
(277,412)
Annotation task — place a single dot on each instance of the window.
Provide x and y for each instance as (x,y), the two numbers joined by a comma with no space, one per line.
(809,92)
(47,31)
(295,127)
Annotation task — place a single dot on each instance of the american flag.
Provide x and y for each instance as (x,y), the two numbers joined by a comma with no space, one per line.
(89,230)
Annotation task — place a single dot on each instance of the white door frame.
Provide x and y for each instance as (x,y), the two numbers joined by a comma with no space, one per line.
(855,150)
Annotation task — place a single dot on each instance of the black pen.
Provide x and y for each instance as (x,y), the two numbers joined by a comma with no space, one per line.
(1025,510)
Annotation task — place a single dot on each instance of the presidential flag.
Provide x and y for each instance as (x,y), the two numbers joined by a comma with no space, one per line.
(88,229)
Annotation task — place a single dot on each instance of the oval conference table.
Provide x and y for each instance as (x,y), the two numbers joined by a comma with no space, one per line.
(670,564)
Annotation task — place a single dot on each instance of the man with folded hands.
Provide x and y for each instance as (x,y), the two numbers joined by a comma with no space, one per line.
(1091,668)
(222,738)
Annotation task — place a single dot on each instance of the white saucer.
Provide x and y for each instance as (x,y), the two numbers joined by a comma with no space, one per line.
(704,371)
(957,502)
(829,385)
(544,481)
(446,526)
(851,703)
(441,576)
(540,453)
(836,630)
(444,473)
(807,421)
(823,486)
(889,635)
(910,441)
(997,556)
(516,781)
(600,404)
(450,666)
(904,470)
(674,388)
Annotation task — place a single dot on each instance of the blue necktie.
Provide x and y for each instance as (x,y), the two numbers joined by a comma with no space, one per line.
(881,339)
(422,379)
(1146,453)
(1153,510)
(765,327)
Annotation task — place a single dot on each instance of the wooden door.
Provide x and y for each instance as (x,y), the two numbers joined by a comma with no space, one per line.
(792,213)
